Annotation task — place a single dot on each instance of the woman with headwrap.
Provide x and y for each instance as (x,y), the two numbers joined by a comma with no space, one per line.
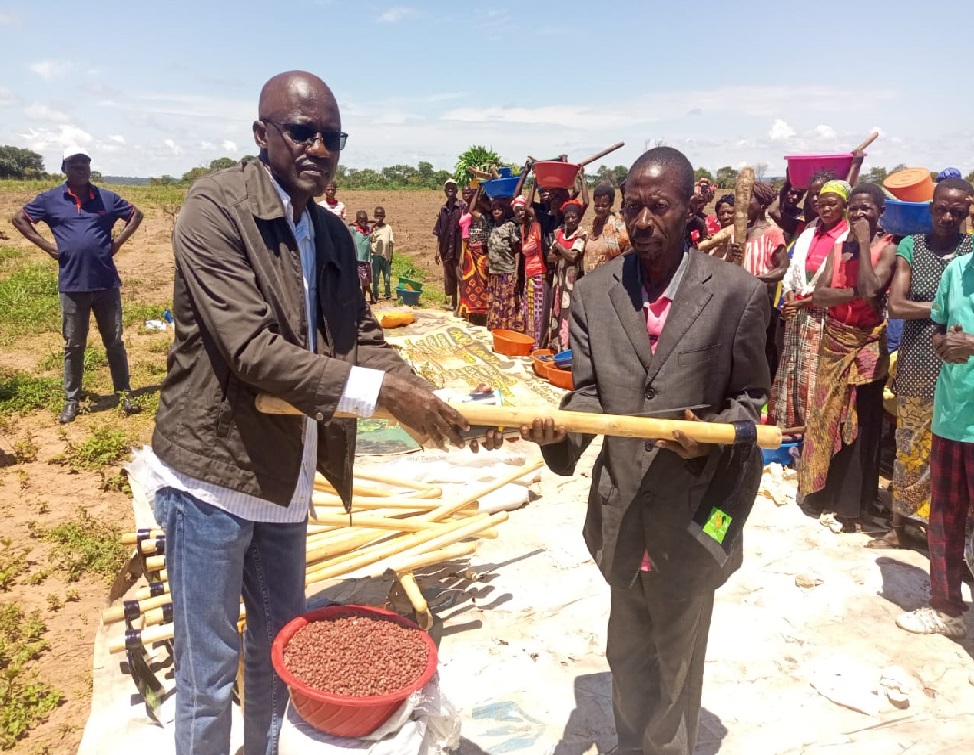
(765,256)
(794,385)
(474,229)
(503,245)
(564,258)
(839,472)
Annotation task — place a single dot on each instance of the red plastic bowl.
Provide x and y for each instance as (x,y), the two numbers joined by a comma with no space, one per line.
(343,715)
(801,168)
(554,174)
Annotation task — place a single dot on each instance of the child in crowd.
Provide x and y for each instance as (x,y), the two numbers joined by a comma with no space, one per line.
(565,258)
(362,236)
(382,243)
(330,203)
(503,245)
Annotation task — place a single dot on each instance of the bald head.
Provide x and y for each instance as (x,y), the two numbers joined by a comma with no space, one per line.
(299,134)
(283,92)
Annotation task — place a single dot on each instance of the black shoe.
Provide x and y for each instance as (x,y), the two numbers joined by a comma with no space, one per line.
(129,406)
(68,413)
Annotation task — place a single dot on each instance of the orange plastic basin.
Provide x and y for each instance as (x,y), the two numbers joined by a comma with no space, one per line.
(561,378)
(542,362)
(910,185)
(512,344)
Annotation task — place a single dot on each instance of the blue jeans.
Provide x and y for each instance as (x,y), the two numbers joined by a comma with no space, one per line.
(212,558)
(76,311)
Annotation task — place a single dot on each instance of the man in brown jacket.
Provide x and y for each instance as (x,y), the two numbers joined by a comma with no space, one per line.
(266,299)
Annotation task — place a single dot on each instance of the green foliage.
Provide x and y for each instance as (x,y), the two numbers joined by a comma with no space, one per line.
(85,545)
(703,173)
(403,267)
(612,176)
(25,450)
(13,562)
(16,162)
(29,301)
(477,157)
(24,701)
(21,393)
(104,446)
(203,170)
(726,177)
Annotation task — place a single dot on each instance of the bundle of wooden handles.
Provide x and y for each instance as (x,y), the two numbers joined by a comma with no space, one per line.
(485,415)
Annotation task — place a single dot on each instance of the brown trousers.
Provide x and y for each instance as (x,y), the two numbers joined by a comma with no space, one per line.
(656,650)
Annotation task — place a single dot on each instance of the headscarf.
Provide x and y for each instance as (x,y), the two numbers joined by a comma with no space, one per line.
(765,194)
(725,199)
(574,203)
(519,201)
(836,186)
(948,173)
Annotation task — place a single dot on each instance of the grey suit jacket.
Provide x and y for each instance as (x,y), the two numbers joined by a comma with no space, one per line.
(711,351)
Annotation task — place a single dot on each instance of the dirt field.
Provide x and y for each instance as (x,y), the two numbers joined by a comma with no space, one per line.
(36,494)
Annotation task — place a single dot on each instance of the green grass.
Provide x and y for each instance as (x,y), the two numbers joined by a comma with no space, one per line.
(21,393)
(136,313)
(29,301)
(403,267)
(103,447)
(86,545)
(24,700)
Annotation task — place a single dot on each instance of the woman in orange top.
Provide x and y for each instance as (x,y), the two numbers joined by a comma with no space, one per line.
(532,252)
(840,458)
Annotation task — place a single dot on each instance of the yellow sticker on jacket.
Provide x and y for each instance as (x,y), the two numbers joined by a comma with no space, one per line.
(717,524)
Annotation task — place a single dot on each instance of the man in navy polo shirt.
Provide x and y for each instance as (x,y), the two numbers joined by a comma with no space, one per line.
(81,217)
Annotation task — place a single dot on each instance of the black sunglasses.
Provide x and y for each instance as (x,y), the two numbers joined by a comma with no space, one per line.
(304,135)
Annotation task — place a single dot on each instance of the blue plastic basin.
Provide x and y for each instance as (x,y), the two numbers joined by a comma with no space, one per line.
(781,455)
(500,187)
(906,218)
(563,359)
(408,297)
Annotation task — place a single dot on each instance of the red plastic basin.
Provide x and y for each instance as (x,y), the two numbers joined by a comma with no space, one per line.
(553,174)
(343,715)
(801,168)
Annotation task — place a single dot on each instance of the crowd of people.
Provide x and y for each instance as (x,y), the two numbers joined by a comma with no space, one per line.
(840,290)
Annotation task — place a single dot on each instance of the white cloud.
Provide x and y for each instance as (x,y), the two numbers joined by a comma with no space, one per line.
(395,14)
(825,132)
(63,136)
(173,147)
(7,97)
(117,138)
(230,146)
(780,131)
(10,19)
(50,69)
(38,112)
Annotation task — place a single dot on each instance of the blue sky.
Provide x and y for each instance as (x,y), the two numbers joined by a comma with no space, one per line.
(154,88)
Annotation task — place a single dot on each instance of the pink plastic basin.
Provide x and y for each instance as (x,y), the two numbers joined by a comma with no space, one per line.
(801,168)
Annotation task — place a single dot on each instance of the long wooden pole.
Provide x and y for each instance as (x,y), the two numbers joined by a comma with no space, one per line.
(485,415)
(742,202)
(603,153)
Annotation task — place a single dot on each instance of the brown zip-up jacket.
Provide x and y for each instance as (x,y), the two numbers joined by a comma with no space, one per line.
(241,329)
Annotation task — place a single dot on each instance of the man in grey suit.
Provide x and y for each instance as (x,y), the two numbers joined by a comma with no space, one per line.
(660,328)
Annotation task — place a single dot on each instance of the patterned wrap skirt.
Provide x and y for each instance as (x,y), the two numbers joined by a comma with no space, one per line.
(911,470)
(503,312)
